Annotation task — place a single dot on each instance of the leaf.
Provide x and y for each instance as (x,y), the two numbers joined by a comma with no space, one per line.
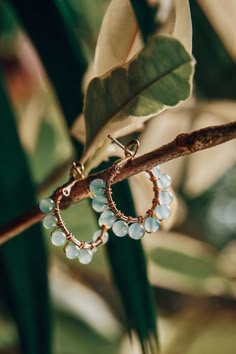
(119,38)
(23,268)
(129,272)
(173,18)
(199,177)
(63,59)
(91,307)
(215,74)
(159,77)
(222,19)
(185,265)
(164,128)
(203,328)
(181,24)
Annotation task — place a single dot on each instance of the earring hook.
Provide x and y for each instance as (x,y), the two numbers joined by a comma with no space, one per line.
(132,144)
(77,170)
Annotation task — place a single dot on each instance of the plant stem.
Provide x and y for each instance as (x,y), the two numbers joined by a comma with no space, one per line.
(182,145)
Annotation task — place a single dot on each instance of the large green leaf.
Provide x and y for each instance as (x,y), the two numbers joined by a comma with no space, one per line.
(130,274)
(23,268)
(157,78)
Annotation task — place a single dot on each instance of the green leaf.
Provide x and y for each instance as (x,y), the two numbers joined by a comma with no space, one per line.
(58,49)
(130,274)
(190,266)
(157,78)
(23,268)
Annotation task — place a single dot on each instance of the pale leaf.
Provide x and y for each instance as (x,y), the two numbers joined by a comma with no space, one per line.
(78,129)
(222,15)
(179,24)
(199,176)
(161,130)
(108,150)
(91,308)
(119,38)
(159,77)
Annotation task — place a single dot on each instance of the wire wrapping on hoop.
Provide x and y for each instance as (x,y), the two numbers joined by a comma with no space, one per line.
(116,168)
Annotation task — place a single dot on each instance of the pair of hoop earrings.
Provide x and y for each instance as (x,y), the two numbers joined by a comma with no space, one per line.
(110,216)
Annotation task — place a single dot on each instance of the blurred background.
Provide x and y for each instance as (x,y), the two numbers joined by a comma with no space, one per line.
(191,262)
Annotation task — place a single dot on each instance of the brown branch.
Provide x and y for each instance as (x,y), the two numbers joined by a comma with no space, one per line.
(182,145)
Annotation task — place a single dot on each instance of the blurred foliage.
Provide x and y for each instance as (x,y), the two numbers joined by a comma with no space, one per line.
(191,264)
(23,268)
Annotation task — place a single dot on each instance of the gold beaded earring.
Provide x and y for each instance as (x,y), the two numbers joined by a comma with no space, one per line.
(112,217)
(60,235)
(103,203)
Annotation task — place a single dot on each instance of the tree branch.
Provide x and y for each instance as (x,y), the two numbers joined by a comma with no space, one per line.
(182,145)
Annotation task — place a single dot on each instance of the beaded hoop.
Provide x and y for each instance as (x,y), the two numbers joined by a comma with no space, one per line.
(111,216)
(60,235)
(104,204)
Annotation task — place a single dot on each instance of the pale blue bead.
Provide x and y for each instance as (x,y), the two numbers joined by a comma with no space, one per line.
(99,203)
(151,224)
(50,222)
(46,205)
(165,197)
(72,251)
(136,231)
(58,238)
(156,171)
(85,256)
(163,211)
(107,218)
(97,186)
(98,233)
(163,181)
(120,228)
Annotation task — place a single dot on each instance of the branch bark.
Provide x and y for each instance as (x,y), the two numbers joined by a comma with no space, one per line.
(182,145)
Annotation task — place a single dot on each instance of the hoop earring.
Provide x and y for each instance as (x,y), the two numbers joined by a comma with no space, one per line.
(60,235)
(112,217)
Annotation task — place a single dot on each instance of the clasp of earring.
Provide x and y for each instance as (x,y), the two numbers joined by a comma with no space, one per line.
(130,149)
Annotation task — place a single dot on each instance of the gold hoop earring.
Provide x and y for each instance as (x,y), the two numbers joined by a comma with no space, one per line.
(60,235)
(112,217)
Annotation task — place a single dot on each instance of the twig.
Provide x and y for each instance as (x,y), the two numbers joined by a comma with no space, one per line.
(182,145)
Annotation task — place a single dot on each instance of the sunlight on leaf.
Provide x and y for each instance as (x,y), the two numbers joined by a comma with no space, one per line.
(161,130)
(199,176)
(119,38)
(185,265)
(89,306)
(179,24)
